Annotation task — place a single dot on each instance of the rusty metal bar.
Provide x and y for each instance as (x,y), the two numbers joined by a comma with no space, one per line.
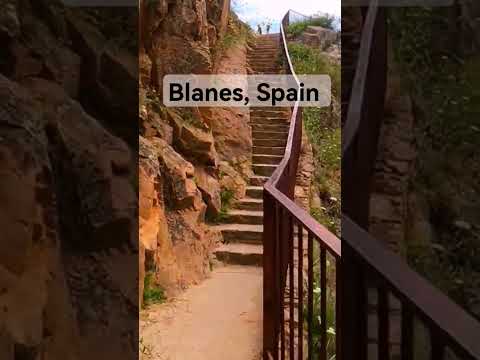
(279,258)
(383,323)
(310,295)
(437,345)
(300,291)
(284,216)
(323,303)
(280,290)
(407,332)
(338,309)
(269,276)
(291,295)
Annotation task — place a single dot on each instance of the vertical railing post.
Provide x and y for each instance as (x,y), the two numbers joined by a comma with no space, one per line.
(353,321)
(269,278)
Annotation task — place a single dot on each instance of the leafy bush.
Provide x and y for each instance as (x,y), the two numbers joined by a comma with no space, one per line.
(446,93)
(307,60)
(323,129)
(237,32)
(325,21)
(297,29)
(331,305)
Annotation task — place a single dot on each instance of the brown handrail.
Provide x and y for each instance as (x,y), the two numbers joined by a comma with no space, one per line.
(455,328)
(281,217)
(364,116)
(376,283)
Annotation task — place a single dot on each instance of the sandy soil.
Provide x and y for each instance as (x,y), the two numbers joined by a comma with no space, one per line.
(216,320)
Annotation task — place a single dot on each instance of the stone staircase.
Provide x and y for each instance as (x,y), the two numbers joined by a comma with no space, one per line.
(243,229)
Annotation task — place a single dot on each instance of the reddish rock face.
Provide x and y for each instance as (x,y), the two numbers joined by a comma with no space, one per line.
(178,36)
(67,200)
(181,178)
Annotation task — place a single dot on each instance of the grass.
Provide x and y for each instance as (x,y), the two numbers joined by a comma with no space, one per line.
(298,28)
(152,293)
(237,32)
(323,129)
(331,304)
(309,60)
(322,126)
(445,86)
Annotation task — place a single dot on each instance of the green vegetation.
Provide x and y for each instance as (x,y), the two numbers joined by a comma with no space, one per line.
(322,126)
(298,28)
(445,86)
(323,129)
(227,196)
(331,304)
(237,32)
(309,60)
(152,293)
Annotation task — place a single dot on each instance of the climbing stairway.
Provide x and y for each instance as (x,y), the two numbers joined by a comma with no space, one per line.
(243,229)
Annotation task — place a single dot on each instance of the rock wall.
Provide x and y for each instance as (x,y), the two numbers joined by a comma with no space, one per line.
(67,203)
(187,156)
(178,35)
(319,37)
(394,167)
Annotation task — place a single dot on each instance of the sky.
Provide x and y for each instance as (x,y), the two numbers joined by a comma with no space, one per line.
(255,12)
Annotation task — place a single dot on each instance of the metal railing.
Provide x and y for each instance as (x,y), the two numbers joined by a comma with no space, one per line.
(388,311)
(289,233)
(292,17)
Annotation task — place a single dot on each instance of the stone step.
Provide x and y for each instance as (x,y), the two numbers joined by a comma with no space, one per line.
(256,180)
(270,142)
(267,159)
(265,73)
(271,127)
(263,59)
(276,135)
(240,254)
(244,217)
(269,120)
(269,45)
(264,169)
(254,192)
(249,204)
(269,150)
(268,108)
(262,56)
(267,70)
(241,233)
(267,62)
(273,113)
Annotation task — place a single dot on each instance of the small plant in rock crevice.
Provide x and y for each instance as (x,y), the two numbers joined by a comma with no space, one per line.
(152,293)
(227,196)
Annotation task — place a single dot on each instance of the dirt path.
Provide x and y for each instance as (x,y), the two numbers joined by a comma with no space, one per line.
(216,320)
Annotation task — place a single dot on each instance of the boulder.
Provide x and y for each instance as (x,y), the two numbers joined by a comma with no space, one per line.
(108,73)
(210,188)
(232,180)
(31,275)
(99,168)
(197,145)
